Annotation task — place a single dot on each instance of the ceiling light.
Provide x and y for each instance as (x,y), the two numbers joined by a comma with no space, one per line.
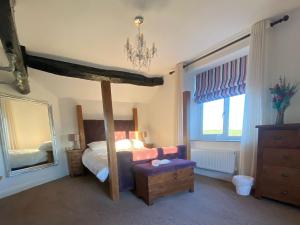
(138,53)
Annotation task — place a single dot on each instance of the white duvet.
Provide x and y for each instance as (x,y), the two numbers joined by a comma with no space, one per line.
(95,157)
(26,157)
(97,163)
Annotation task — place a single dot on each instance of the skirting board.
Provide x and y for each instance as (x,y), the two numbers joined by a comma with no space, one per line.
(25,186)
(214,174)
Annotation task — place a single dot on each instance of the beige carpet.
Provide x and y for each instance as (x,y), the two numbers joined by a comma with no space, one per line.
(82,200)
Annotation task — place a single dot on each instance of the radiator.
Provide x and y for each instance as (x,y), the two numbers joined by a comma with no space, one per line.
(218,160)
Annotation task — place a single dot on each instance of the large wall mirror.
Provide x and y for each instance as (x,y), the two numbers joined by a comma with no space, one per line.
(27,135)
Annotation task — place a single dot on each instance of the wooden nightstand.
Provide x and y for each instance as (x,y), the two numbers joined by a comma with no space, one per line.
(50,157)
(74,160)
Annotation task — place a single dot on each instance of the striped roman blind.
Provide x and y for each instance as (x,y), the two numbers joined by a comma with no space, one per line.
(222,81)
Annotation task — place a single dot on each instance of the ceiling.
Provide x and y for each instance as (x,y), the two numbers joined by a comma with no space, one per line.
(65,87)
(95,31)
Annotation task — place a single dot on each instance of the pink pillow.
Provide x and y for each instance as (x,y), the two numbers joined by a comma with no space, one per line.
(170,150)
(144,154)
(120,135)
(134,135)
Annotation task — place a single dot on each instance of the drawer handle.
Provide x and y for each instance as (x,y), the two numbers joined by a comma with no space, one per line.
(284,192)
(284,175)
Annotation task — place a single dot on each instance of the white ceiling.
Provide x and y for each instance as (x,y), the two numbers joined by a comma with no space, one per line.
(65,87)
(95,30)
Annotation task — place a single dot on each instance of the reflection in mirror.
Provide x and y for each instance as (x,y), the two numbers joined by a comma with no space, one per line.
(27,135)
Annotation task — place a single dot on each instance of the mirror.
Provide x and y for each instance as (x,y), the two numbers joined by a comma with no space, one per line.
(27,135)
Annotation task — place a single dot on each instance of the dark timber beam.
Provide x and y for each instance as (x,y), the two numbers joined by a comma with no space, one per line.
(186,102)
(110,140)
(135,119)
(68,69)
(12,48)
(80,127)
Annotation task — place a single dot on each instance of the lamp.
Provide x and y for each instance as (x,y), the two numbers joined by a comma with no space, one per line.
(74,138)
(146,137)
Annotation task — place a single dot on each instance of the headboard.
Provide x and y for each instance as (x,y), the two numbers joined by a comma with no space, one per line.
(95,131)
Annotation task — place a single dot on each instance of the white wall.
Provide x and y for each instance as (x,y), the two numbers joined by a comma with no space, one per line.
(10,185)
(283,59)
(161,111)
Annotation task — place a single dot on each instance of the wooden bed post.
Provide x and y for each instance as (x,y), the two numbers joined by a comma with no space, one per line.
(110,138)
(135,119)
(80,127)
(186,121)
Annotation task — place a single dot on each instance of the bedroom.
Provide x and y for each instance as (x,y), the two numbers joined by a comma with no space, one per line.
(96,37)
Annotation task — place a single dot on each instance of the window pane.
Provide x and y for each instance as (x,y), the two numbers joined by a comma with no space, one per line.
(213,117)
(236,114)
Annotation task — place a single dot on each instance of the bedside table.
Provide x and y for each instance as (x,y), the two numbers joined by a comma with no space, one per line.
(74,161)
(50,156)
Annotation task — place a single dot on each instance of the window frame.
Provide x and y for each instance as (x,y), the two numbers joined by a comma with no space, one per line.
(219,137)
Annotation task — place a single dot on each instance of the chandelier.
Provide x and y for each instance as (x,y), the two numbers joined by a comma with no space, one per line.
(139,54)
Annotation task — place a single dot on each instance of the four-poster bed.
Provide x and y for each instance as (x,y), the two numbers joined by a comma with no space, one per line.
(94,131)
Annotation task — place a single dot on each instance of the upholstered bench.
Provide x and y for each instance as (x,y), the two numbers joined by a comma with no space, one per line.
(153,182)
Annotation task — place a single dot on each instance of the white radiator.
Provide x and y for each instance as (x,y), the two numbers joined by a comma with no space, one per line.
(218,160)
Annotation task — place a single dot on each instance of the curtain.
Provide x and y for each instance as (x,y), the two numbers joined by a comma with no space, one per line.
(254,100)
(179,71)
(222,81)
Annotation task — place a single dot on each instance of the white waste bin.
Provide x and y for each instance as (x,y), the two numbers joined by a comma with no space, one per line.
(243,184)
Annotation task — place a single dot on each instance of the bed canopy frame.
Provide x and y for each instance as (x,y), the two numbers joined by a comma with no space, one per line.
(100,130)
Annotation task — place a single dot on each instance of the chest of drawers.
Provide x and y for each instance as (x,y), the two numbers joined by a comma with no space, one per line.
(278,163)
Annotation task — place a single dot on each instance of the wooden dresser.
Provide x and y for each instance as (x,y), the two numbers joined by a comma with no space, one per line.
(74,161)
(278,163)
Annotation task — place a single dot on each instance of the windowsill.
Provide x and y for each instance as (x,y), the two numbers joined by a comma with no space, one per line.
(204,140)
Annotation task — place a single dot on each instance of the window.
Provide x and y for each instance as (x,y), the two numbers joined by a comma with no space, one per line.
(222,120)
(213,117)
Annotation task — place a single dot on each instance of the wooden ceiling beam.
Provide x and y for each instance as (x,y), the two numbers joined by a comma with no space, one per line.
(12,47)
(74,70)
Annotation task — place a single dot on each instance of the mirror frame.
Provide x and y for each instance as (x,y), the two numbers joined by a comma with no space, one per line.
(5,137)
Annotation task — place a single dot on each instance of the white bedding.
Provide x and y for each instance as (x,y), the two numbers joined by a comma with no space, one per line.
(26,157)
(95,157)
(96,163)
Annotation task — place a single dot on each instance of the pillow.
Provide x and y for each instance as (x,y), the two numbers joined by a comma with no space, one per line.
(97,145)
(124,144)
(137,144)
(46,146)
(119,135)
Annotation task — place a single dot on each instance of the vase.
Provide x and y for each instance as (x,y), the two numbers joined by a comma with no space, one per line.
(280,118)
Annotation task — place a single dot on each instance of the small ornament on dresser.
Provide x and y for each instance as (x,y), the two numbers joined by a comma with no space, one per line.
(282,93)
